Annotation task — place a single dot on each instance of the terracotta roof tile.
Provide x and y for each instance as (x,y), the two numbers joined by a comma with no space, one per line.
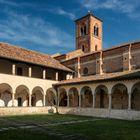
(25,55)
(96,78)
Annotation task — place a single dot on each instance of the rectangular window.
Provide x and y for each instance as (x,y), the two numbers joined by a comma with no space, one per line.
(19,71)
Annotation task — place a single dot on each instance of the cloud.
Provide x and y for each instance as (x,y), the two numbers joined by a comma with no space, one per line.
(17,4)
(46,8)
(60,11)
(26,29)
(129,7)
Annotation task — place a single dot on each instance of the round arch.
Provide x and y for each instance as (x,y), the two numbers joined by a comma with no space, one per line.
(22,96)
(62,97)
(119,95)
(86,97)
(6,92)
(51,97)
(101,97)
(73,97)
(135,96)
(37,96)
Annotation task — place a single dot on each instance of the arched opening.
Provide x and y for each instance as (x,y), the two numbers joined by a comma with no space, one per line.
(135,97)
(86,97)
(5,95)
(101,97)
(96,30)
(37,97)
(85,30)
(63,97)
(22,96)
(50,97)
(81,31)
(73,97)
(119,97)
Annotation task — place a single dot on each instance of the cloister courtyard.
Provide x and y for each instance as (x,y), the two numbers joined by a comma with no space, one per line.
(59,127)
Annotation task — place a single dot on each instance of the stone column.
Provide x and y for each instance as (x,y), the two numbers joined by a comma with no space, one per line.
(13,69)
(80,100)
(13,99)
(130,57)
(68,103)
(44,74)
(68,76)
(99,63)
(30,98)
(56,77)
(127,59)
(71,76)
(58,98)
(30,71)
(93,100)
(44,97)
(110,102)
(129,101)
(79,75)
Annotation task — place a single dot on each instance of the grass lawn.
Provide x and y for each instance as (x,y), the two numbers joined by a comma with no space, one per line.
(94,129)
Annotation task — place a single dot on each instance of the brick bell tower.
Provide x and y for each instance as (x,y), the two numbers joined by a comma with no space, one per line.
(89,33)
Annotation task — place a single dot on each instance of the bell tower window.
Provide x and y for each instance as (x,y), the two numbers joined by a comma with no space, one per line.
(83,30)
(96,30)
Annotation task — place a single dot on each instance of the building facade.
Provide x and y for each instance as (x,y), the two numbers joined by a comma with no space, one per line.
(88,81)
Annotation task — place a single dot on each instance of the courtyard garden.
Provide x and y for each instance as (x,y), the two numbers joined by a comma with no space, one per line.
(61,127)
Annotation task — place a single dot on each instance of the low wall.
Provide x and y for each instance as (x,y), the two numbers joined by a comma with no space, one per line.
(106,113)
(24,110)
(118,114)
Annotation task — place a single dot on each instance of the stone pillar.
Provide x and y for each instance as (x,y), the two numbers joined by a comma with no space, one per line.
(68,101)
(80,100)
(58,98)
(93,100)
(79,75)
(110,102)
(44,74)
(127,59)
(130,57)
(44,97)
(30,71)
(71,76)
(56,77)
(68,76)
(13,99)
(129,101)
(13,69)
(30,99)
(99,63)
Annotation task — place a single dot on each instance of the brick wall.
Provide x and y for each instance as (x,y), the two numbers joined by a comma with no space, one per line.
(113,59)
(88,62)
(121,58)
(135,53)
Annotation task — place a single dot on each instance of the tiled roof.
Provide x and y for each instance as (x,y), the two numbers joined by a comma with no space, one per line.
(25,55)
(105,77)
(89,14)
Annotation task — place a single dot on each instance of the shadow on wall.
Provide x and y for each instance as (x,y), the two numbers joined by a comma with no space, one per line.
(103,113)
